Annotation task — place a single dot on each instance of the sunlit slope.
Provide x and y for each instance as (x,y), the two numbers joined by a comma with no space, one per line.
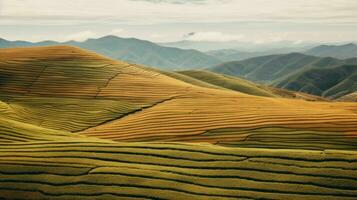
(88,170)
(245,86)
(350,97)
(241,120)
(66,88)
(66,71)
(228,82)
(69,89)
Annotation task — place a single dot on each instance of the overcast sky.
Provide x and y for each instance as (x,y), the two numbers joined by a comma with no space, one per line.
(258,21)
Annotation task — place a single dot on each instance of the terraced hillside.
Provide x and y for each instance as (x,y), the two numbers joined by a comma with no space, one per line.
(87,170)
(78,91)
(76,125)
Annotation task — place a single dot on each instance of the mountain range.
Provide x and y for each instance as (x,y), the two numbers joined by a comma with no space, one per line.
(337,51)
(135,51)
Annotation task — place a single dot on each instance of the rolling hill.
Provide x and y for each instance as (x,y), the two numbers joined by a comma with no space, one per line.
(245,86)
(77,125)
(327,82)
(134,51)
(337,51)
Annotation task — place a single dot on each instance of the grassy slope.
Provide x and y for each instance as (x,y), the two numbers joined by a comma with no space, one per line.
(245,86)
(229,82)
(328,82)
(350,97)
(87,170)
(266,68)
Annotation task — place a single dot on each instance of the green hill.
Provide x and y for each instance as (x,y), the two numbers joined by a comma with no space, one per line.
(245,86)
(228,82)
(266,69)
(280,70)
(327,82)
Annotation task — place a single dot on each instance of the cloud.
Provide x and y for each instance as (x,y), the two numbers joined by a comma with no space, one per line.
(213,36)
(179,1)
(173,11)
(116,32)
(81,36)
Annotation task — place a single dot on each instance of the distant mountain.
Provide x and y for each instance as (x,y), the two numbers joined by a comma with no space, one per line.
(326,82)
(8,44)
(337,51)
(239,45)
(135,51)
(235,55)
(285,70)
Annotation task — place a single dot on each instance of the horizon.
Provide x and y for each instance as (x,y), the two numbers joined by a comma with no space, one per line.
(256,22)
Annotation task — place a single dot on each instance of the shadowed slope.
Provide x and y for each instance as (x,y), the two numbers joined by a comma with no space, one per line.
(349,97)
(327,82)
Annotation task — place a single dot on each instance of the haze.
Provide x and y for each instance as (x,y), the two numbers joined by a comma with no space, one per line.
(255,21)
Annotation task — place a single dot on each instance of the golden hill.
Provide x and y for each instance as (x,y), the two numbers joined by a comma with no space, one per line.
(70,89)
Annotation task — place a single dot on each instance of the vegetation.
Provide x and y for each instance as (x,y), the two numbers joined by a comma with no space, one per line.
(87,170)
(76,125)
(245,86)
(296,72)
(330,82)
(350,97)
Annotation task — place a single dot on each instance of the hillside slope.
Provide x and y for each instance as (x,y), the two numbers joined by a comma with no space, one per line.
(349,97)
(267,69)
(328,82)
(245,86)
(274,69)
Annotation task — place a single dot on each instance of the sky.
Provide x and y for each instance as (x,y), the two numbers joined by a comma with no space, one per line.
(255,21)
